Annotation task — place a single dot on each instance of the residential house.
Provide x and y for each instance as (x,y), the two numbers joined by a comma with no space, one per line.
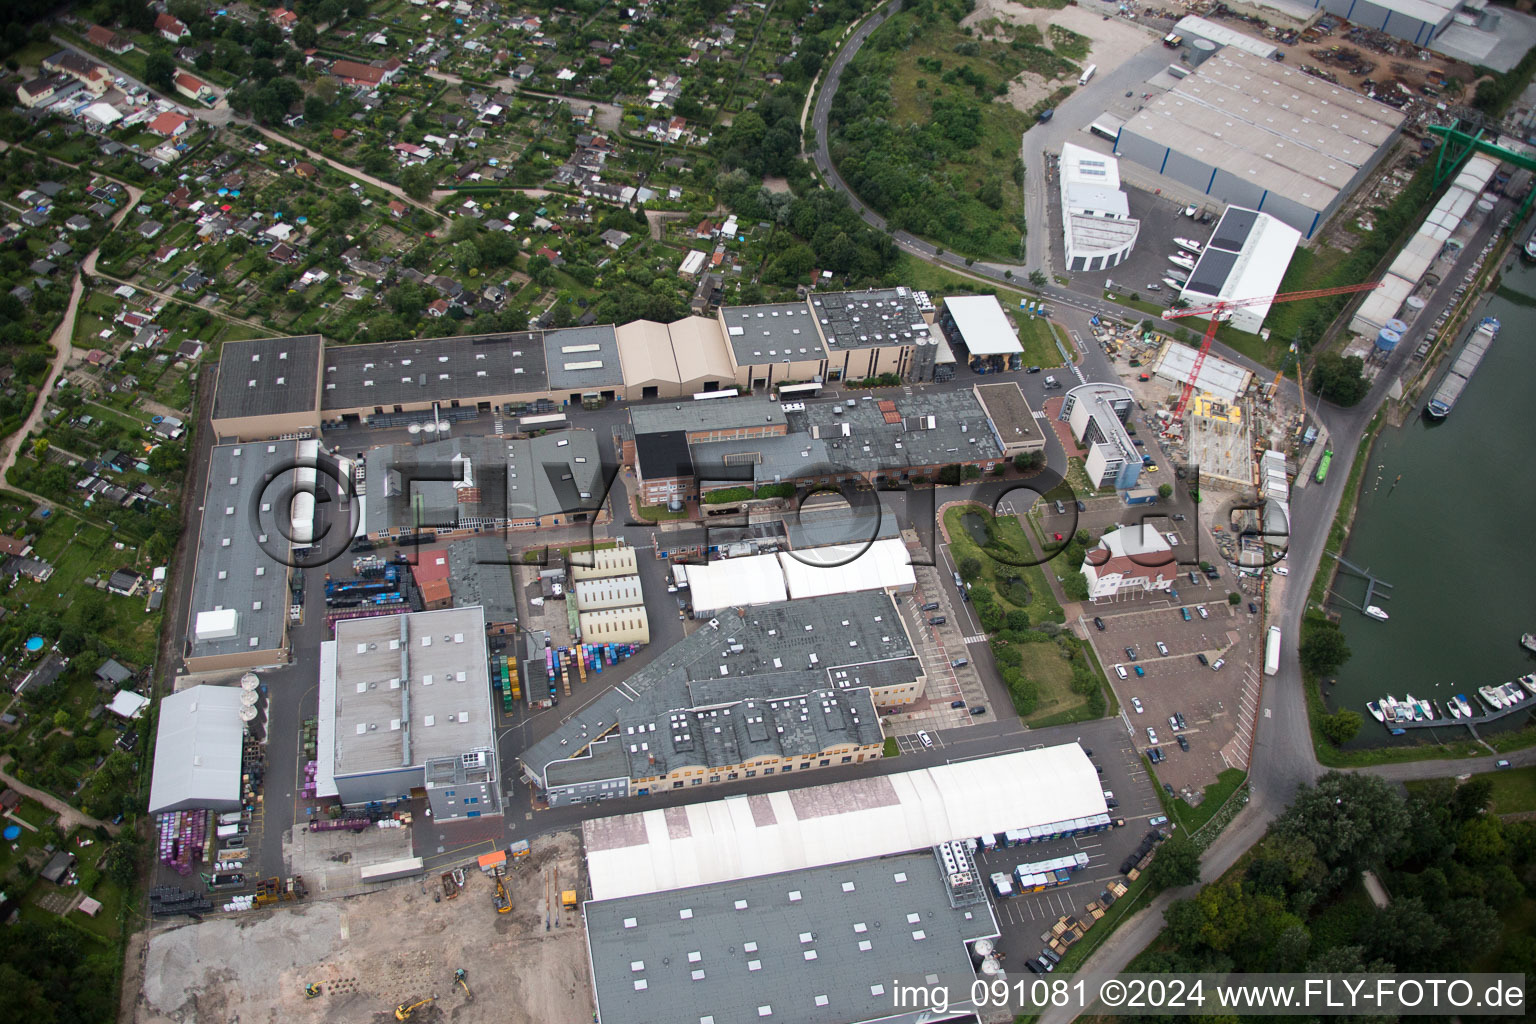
(396,209)
(284,19)
(113,673)
(95,78)
(106,39)
(172,29)
(282,252)
(307,171)
(124,582)
(43,675)
(615,239)
(438,307)
(554,258)
(58,867)
(39,90)
(194,88)
(150,228)
(170,124)
(77,223)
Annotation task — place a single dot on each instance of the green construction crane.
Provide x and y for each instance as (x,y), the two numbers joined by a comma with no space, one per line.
(1456,145)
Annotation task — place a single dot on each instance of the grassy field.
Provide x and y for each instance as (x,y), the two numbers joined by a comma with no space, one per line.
(1514,789)
(1038,336)
(1051,669)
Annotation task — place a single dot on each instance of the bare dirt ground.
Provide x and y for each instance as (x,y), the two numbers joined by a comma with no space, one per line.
(1114,41)
(372,952)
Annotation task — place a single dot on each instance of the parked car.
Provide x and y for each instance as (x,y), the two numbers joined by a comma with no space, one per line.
(1098,622)
(1136,703)
(1183,743)
(960,663)
(1120,671)
(1193,578)
(1130,652)
(1058,536)
(1178,517)
(1253,609)
(1161,819)
(957,703)
(937,620)
(1501,763)
(958,581)
(924,738)
(1081,507)
(1151,735)
(1046,114)
(978,710)
(1280,570)
(1173,722)
(1162,648)
(1184,612)
(1180,716)
(1203,613)
(1154,754)
(1216,666)
(1140,672)
(931,606)
(1032,369)
(1060,509)
(1202,659)
(1154,287)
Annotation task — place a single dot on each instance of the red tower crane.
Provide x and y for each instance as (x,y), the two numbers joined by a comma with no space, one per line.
(1215,312)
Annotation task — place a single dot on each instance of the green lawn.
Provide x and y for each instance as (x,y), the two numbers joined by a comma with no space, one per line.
(1514,789)
(660,513)
(1051,669)
(12,853)
(1038,336)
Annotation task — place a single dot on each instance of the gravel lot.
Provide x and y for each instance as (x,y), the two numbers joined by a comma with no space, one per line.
(372,952)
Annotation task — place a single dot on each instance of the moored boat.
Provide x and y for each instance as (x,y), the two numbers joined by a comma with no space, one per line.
(1453,707)
(1528,641)
(1491,697)
(1529,682)
(1376,612)
(1375,709)
(1415,713)
(1464,704)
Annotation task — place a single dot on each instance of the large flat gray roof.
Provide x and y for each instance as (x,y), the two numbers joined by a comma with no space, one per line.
(510,480)
(480,573)
(816,946)
(871,319)
(267,377)
(715,414)
(890,434)
(839,644)
(772,333)
(234,568)
(571,354)
(422,370)
(1009,412)
(410,688)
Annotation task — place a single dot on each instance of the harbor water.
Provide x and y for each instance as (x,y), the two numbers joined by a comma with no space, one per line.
(1445,515)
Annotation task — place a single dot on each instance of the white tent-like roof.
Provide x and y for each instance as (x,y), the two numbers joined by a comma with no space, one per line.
(127,704)
(985,327)
(1226,380)
(197,750)
(848,568)
(761,834)
(733,582)
(103,113)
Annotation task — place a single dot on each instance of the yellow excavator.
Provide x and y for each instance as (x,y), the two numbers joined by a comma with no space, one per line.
(403,1012)
(462,977)
(311,990)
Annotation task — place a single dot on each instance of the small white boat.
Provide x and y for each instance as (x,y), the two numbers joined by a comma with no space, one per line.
(1188,243)
(1428,709)
(1182,261)
(1491,697)
(1528,641)
(1375,709)
(1376,612)
(1512,694)
(1529,682)
(1453,707)
(1464,704)
(1415,713)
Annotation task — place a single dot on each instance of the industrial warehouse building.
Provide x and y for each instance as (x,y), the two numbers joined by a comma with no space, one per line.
(1257,133)
(269,387)
(197,750)
(1013,423)
(898,439)
(1097,227)
(817,572)
(497,483)
(1219,377)
(1417,21)
(763,834)
(296,387)
(1097,414)
(405,710)
(1245,258)
(804,946)
(786,687)
(239,610)
(1391,301)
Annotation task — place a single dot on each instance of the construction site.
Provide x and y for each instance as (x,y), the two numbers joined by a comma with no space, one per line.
(498,944)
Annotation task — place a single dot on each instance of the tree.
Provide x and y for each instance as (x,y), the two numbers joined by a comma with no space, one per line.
(1165,491)
(304,35)
(1234,599)
(1027,461)
(1323,648)
(1341,726)
(417,182)
(1352,820)
(1177,863)
(969,568)
(1340,379)
(160,70)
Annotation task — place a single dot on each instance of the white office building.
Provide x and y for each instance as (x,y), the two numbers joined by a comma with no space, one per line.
(1096,220)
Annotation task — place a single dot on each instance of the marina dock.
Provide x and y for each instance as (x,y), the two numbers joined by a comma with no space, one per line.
(1371,584)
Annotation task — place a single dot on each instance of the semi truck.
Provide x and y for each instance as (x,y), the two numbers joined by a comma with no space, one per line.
(1272,652)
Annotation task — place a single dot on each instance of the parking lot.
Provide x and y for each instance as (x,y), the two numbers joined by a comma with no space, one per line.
(1209,699)
(1023,919)
(938,647)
